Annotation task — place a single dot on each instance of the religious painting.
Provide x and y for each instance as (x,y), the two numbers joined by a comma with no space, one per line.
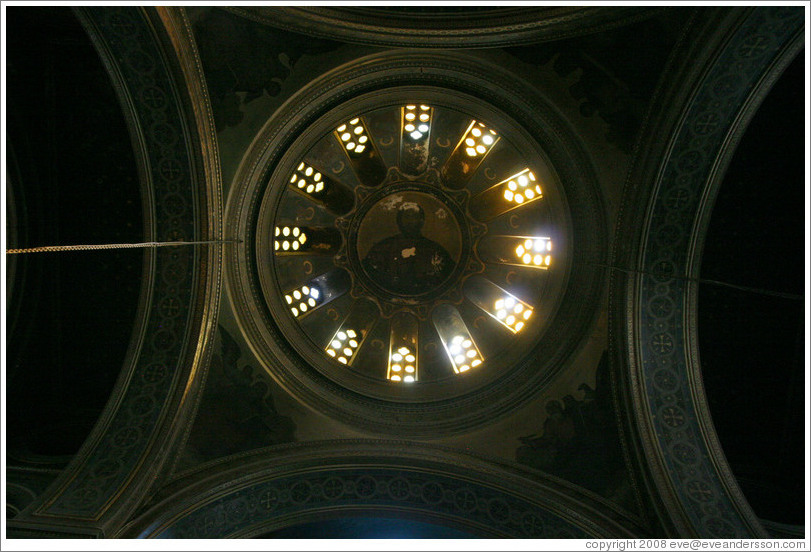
(409,243)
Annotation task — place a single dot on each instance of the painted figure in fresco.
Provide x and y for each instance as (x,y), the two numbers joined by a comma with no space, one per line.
(545,451)
(579,441)
(237,412)
(408,263)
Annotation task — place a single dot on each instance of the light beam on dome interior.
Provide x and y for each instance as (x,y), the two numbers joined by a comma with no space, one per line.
(317,292)
(315,185)
(347,340)
(299,240)
(415,136)
(403,364)
(527,251)
(510,311)
(476,142)
(456,339)
(512,192)
(358,144)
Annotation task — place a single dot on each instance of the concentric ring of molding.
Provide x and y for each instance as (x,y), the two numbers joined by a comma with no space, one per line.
(265,490)
(448,28)
(542,124)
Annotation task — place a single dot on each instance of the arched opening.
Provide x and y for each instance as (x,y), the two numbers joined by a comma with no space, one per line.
(751,338)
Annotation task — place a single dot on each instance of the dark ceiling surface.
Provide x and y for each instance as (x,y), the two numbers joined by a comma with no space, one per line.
(76,184)
(751,338)
(72,180)
(251,69)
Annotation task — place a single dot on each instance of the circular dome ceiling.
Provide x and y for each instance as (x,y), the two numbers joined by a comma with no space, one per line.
(410,250)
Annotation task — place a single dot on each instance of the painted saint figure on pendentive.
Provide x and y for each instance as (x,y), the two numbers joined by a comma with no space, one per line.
(408,263)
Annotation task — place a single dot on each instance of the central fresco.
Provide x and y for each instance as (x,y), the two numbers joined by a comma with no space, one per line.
(407,243)
(414,258)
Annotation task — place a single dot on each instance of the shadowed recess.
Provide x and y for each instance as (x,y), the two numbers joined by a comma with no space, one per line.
(752,344)
(78,184)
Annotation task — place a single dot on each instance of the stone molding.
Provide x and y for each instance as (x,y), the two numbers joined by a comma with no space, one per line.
(156,391)
(494,27)
(265,490)
(725,69)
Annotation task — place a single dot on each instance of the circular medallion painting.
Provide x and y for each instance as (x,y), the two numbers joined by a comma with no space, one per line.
(408,244)
(411,247)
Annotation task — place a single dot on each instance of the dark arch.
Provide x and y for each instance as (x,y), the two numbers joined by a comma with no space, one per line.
(285,486)
(158,386)
(654,317)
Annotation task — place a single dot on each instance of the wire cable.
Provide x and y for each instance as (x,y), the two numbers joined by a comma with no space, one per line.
(57,248)
(761,291)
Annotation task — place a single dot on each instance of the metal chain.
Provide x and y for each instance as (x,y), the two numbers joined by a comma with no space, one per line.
(51,248)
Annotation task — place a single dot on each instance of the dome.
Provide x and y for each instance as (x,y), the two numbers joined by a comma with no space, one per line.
(414,244)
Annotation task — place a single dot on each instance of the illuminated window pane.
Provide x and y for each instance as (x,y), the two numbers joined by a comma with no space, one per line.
(353,136)
(521,187)
(348,339)
(475,143)
(303,299)
(527,251)
(358,143)
(534,252)
(309,181)
(333,195)
(459,344)
(512,192)
(344,344)
(317,292)
(403,359)
(503,306)
(290,238)
(303,239)
(416,120)
(478,139)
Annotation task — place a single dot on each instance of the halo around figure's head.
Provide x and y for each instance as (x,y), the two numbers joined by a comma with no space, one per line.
(410,218)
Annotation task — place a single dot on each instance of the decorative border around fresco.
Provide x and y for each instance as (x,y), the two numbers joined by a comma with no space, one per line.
(248,508)
(129,39)
(663,350)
